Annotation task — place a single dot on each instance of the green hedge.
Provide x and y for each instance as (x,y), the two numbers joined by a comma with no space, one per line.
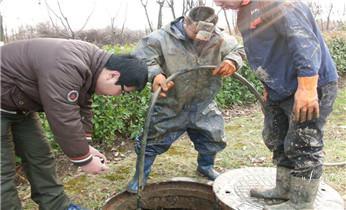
(123,117)
(337,47)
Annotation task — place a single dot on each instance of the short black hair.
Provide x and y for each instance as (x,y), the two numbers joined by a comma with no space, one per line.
(133,71)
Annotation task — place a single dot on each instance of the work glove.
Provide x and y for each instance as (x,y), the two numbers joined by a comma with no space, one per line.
(225,69)
(160,81)
(306,105)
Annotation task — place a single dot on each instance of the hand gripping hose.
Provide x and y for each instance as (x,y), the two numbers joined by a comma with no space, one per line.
(150,110)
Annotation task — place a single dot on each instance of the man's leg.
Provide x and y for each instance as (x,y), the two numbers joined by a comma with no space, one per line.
(274,133)
(206,131)
(304,141)
(166,126)
(9,195)
(153,149)
(39,164)
(304,146)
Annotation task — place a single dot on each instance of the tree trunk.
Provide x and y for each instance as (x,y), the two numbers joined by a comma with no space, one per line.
(159,18)
(171,5)
(228,25)
(2,38)
(328,18)
(146,14)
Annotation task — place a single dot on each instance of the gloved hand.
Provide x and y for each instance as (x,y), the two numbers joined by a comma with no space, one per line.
(226,68)
(160,81)
(95,166)
(306,105)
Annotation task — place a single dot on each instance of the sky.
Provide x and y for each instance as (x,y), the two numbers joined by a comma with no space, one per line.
(18,13)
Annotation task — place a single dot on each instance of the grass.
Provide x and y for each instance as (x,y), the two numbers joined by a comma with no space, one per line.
(245,148)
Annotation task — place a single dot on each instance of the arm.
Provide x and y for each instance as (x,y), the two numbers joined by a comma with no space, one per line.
(296,25)
(150,50)
(63,114)
(86,118)
(232,55)
(232,50)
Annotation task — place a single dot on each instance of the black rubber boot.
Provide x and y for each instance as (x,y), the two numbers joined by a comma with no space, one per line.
(132,186)
(301,196)
(206,166)
(281,189)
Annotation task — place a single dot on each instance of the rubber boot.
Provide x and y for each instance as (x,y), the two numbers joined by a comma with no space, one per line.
(301,196)
(281,189)
(205,166)
(132,186)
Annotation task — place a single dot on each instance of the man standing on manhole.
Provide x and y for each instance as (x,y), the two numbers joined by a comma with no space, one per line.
(187,42)
(288,54)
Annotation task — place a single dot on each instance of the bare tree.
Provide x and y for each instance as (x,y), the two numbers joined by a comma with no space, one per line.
(145,4)
(2,38)
(329,13)
(170,4)
(315,8)
(64,21)
(228,25)
(188,4)
(159,18)
(123,28)
(201,2)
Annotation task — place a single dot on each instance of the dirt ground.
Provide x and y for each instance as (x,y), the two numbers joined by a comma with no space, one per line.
(245,149)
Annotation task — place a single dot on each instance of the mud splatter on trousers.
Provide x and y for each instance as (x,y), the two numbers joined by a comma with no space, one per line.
(298,146)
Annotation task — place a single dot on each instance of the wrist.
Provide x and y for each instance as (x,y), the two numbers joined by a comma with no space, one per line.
(88,136)
(83,162)
(307,83)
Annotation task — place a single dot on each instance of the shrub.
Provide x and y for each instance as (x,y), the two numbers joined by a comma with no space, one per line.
(337,47)
(233,92)
(119,116)
(123,116)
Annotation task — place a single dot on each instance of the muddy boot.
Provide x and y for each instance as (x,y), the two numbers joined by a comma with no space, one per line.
(205,166)
(301,196)
(132,186)
(282,187)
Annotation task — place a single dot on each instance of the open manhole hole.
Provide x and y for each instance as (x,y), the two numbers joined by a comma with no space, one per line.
(176,194)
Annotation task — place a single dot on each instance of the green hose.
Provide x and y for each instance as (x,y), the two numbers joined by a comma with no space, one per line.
(154,97)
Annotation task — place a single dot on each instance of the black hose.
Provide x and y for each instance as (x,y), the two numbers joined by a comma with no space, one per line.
(154,97)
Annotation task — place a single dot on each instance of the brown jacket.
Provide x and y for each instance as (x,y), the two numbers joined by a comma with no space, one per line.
(58,77)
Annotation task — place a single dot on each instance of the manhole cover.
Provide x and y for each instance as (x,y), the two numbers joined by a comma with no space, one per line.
(232,190)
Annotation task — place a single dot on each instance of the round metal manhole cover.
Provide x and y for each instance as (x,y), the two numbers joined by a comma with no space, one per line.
(232,189)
